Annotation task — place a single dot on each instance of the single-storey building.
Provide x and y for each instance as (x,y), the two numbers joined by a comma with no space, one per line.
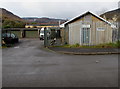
(87,29)
(37,26)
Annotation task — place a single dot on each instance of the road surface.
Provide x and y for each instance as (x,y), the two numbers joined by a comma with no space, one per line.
(28,64)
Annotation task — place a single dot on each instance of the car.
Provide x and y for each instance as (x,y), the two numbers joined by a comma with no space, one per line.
(9,38)
(42,34)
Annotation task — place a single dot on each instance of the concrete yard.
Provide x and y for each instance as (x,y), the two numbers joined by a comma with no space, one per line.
(28,64)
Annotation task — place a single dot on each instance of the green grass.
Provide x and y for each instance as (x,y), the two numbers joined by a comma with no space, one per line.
(7,45)
(3,47)
(107,45)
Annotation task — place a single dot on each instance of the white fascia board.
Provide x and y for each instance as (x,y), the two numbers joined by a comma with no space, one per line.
(62,25)
(86,13)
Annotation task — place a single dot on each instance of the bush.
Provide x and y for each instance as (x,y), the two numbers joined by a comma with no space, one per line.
(118,44)
(76,45)
(13,24)
(107,45)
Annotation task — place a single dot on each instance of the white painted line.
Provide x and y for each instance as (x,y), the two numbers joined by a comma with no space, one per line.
(16,47)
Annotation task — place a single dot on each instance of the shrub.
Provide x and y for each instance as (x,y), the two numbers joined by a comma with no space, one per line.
(77,45)
(106,45)
(118,44)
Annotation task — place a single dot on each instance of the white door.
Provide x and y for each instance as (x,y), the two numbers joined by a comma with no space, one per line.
(85,36)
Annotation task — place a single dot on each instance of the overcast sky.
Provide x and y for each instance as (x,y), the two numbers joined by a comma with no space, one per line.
(59,9)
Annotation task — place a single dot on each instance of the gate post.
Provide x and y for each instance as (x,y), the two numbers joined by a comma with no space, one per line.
(45,37)
(23,34)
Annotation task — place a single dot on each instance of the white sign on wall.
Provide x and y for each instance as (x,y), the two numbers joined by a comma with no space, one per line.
(86,26)
(100,29)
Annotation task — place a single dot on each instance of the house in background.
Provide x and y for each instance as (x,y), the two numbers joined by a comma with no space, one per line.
(38,26)
(87,29)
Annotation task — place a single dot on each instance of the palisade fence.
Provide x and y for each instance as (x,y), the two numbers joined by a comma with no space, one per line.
(53,36)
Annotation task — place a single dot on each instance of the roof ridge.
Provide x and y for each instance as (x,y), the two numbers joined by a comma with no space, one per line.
(86,13)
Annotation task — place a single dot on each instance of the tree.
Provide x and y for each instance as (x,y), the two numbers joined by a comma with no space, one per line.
(13,24)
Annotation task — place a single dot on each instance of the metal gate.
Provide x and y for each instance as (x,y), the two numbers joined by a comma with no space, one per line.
(52,36)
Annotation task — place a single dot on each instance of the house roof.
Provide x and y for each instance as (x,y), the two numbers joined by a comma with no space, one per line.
(88,12)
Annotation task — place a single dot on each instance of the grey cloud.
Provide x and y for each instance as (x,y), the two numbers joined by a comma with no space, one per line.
(56,9)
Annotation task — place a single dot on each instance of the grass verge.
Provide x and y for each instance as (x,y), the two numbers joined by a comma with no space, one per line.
(107,45)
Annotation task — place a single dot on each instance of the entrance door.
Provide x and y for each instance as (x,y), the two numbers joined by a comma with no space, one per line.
(85,36)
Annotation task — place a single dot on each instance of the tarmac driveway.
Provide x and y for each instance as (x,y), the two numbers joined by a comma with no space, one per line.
(30,65)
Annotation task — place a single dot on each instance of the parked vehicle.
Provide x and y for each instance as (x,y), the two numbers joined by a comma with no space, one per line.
(42,34)
(9,38)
